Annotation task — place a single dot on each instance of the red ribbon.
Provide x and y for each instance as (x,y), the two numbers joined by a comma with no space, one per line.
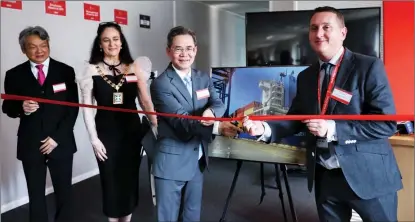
(262,118)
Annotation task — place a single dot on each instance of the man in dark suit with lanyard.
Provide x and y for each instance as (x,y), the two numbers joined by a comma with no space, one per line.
(45,134)
(351,162)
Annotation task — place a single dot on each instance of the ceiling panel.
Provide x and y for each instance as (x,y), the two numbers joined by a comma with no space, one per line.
(240,7)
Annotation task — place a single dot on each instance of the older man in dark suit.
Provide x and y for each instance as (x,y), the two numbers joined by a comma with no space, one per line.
(45,134)
(351,162)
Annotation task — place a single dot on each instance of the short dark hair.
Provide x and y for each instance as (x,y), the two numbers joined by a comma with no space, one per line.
(37,30)
(97,55)
(179,30)
(339,15)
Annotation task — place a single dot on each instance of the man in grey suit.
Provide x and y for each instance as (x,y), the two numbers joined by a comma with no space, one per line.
(351,162)
(180,152)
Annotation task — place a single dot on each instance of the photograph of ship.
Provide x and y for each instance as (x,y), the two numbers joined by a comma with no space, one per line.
(257,91)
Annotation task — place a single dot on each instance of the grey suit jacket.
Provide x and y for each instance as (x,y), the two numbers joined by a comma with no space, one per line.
(362,147)
(175,153)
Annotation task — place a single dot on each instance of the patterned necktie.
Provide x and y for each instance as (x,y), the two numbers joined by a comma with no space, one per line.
(188,83)
(41,74)
(327,70)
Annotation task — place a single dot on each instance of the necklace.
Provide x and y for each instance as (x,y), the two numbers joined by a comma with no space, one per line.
(113,68)
(117,97)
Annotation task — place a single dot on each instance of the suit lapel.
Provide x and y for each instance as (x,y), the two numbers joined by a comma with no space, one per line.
(177,82)
(196,85)
(313,83)
(345,70)
(51,72)
(29,74)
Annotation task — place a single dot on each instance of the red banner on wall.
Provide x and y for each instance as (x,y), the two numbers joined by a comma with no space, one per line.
(121,16)
(12,4)
(92,12)
(55,7)
(398,35)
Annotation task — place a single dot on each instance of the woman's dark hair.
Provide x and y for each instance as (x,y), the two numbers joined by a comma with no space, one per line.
(97,55)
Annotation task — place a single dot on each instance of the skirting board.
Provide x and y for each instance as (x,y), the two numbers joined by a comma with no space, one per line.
(24,200)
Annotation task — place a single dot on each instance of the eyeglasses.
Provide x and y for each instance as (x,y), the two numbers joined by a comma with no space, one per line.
(179,50)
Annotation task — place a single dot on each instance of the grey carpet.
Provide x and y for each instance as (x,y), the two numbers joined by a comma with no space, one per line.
(243,206)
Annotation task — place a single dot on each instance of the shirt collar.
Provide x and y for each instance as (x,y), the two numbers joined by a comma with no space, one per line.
(45,63)
(181,73)
(335,58)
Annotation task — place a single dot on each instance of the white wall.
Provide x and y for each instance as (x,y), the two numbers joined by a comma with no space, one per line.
(220,34)
(309,5)
(71,39)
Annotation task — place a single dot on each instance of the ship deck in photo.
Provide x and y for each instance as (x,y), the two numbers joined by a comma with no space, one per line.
(250,150)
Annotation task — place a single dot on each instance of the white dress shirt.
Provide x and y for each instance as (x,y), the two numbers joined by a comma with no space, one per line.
(332,162)
(183,75)
(45,68)
(35,70)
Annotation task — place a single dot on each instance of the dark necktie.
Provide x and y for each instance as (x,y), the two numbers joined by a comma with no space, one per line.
(327,70)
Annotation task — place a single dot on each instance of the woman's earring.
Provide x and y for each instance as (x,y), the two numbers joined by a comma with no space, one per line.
(100,49)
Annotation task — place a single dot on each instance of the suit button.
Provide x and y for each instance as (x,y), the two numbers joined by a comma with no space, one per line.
(195,149)
(43,92)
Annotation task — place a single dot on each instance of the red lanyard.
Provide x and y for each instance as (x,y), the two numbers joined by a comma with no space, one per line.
(330,87)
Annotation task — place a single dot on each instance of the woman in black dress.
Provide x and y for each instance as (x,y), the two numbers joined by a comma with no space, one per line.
(113,79)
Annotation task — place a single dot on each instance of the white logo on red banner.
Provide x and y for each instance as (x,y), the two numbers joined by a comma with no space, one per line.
(121,16)
(55,7)
(92,12)
(12,4)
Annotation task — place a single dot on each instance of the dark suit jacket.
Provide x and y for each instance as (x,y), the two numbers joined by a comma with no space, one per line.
(177,147)
(363,149)
(55,121)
